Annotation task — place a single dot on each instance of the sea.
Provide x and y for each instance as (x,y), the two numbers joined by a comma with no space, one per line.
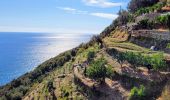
(21,52)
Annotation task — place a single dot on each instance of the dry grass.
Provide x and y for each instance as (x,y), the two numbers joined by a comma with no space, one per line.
(166,93)
(118,36)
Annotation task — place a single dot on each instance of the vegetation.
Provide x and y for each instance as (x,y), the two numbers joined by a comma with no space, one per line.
(50,86)
(109,71)
(138,93)
(134,5)
(155,7)
(164,20)
(124,18)
(155,61)
(146,24)
(160,21)
(18,87)
(90,55)
(166,91)
(168,45)
(98,70)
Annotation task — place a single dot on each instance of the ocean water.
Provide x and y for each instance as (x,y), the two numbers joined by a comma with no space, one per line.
(22,52)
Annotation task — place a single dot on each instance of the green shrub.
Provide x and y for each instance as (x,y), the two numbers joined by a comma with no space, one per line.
(164,20)
(123,18)
(138,93)
(120,57)
(50,86)
(156,61)
(146,24)
(168,45)
(109,71)
(90,55)
(137,4)
(155,7)
(97,70)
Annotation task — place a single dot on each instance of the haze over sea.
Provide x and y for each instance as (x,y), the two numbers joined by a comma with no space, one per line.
(22,52)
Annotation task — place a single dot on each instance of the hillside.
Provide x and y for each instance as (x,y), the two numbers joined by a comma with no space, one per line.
(129,60)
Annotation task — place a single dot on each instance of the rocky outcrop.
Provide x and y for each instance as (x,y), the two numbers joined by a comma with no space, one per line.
(148,38)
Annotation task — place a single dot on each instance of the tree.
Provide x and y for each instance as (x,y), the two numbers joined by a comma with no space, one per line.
(124,18)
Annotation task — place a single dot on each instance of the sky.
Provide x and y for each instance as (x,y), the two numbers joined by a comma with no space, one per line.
(54,16)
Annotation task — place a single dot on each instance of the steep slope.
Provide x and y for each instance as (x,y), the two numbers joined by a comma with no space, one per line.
(121,53)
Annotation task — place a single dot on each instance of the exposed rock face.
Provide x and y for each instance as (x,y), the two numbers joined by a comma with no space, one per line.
(155,34)
(150,16)
(148,38)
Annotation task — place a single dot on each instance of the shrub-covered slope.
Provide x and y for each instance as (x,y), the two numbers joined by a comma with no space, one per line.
(118,64)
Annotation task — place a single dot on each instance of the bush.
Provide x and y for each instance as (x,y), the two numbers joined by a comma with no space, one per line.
(123,18)
(146,24)
(90,55)
(64,93)
(158,61)
(164,20)
(155,61)
(120,58)
(138,93)
(168,45)
(109,71)
(97,70)
(19,87)
(155,7)
(134,5)
(50,86)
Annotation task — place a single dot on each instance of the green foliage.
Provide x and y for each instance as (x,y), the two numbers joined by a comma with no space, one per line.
(134,5)
(168,45)
(138,93)
(146,24)
(120,57)
(155,7)
(64,93)
(19,87)
(90,55)
(109,71)
(133,58)
(50,86)
(164,20)
(156,61)
(97,70)
(124,18)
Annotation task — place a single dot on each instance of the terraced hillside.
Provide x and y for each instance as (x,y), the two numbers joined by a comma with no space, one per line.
(124,62)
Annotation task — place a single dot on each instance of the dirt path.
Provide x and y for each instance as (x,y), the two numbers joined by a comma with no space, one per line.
(112,89)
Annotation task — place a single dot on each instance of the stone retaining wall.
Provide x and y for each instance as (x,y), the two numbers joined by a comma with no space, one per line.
(160,35)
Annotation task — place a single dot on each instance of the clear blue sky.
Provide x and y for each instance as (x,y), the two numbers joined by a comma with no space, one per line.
(67,16)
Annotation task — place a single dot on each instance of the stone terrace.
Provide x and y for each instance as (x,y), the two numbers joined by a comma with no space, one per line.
(157,34)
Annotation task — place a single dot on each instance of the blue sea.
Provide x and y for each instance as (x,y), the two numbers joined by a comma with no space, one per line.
(22,52)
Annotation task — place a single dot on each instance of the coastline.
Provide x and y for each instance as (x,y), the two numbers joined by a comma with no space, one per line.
(36,53)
